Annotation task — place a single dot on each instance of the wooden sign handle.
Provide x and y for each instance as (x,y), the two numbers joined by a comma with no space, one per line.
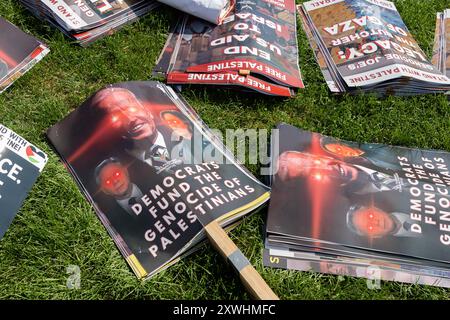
(251,279)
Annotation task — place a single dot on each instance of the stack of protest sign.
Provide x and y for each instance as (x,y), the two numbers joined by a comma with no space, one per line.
(254,48)
(21,163)
(364,46)
(441,49)
(359,209)
(85,21)
(18,53)
(150,167)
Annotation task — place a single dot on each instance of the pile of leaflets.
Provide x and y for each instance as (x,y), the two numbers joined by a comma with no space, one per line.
(364,46)
(150,167)
(19,52)
(255,48)
(441,49)
(88,20)
(366,210)
(21,164)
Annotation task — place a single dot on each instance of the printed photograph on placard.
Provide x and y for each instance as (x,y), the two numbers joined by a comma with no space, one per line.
(371,196)
(21,164)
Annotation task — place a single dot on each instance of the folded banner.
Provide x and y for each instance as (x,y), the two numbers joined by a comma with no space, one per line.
(364,46)
(254,48)
(209,10)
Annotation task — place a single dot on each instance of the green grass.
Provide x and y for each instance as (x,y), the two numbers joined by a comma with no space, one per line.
(56,227)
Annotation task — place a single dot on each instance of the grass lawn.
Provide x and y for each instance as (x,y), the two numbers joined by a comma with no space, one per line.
(56,227)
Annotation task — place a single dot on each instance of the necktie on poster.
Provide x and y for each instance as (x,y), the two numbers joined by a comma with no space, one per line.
(278,259)
(158,153)
(209,10)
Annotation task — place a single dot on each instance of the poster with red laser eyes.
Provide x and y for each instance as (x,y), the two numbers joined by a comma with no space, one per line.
(360,199)
(18,53)
(84,14)
(150,168)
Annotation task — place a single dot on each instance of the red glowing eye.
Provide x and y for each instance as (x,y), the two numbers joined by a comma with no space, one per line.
(132,109)
(370,228)
(108,182)
(318,176)
(117,174)
(114,119)
(371,216)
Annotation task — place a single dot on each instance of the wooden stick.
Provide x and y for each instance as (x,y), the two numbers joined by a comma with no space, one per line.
(251,279)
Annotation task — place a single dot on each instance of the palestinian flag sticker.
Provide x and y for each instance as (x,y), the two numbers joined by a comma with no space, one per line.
(34,155)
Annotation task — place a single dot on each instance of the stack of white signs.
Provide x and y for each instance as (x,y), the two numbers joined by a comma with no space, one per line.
(364,46)
(18,53)
(88,20)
